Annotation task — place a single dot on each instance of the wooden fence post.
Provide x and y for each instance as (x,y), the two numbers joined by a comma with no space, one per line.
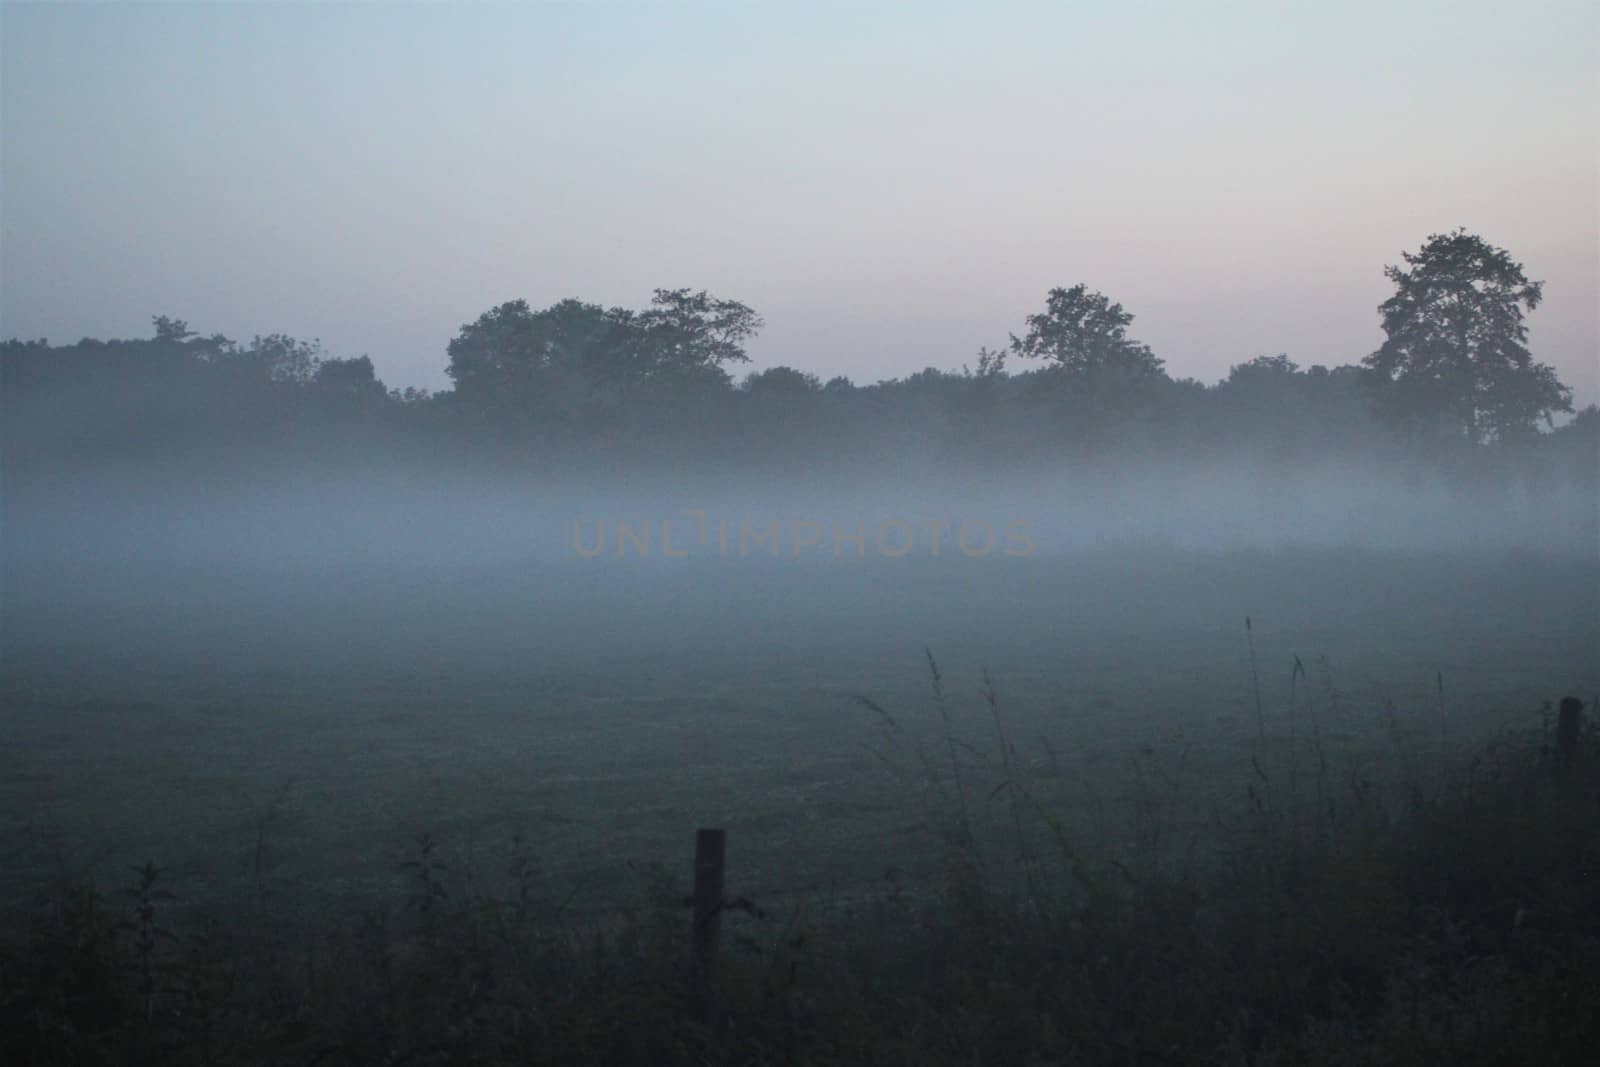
(710,852)
(1569,732)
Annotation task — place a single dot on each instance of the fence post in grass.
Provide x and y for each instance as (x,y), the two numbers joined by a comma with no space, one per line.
(1569,732)
(710,852)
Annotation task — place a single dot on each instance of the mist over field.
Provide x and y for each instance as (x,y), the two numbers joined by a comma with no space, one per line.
(447,517)
(459,583)
(205,536)
(270,557)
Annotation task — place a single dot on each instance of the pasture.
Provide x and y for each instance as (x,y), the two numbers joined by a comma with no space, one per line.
(291,736)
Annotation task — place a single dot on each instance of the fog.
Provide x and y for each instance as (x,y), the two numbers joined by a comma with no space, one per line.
(484,570)
(458,516)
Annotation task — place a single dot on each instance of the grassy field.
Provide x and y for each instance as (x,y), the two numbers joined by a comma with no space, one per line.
(248,731)
(1063,810)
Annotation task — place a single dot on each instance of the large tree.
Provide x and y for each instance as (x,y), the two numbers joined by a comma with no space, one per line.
(1086,335)
(571,353)
(688,334)
(1456,359)
(575,354)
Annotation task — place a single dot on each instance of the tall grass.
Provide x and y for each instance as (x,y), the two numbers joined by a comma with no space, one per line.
(1451,919)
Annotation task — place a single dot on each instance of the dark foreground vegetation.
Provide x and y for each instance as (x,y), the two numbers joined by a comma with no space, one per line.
(1447,918)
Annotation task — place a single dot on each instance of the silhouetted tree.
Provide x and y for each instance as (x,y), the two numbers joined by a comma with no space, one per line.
(571,355)
(1297,413)
(1267,372)
(781,382)
(1456,356)
(277,358)
(1086,335)
(574,358)
(171,330)
(991,364)
(350,378)
(689,333)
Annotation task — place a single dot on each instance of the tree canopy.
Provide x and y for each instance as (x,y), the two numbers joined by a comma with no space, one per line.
(1456,358)
(575,356)
(1086,335)
(576,382)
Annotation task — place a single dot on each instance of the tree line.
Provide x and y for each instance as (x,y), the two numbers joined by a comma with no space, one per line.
(576,382)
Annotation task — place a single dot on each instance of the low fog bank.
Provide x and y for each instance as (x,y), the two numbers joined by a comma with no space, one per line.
(426,581)
(454,516)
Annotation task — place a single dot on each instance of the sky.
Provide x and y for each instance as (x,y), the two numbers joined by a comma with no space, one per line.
(890,185)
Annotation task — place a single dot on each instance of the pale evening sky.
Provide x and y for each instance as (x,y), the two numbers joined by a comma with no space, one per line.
(890,185)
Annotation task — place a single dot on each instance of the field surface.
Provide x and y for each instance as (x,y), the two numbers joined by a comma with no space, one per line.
(295,735)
